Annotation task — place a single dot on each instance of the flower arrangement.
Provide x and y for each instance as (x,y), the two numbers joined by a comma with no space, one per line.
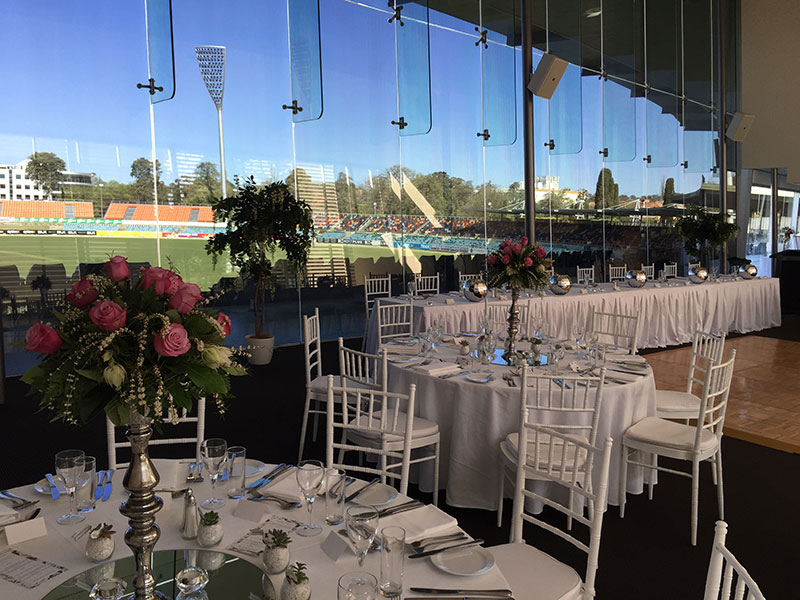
(518,265)
(787,233)
(121,346)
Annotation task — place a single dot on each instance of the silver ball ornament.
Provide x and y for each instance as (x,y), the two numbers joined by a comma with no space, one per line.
(560,284)
(698,274)
(475,290)
(748,271)
(636,278)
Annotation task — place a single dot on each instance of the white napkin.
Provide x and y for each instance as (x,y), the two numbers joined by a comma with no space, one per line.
(286,487)
(436,369)
(628,377)
(635,358)
(411,350)
(172,473)
(421,522)
(7,514)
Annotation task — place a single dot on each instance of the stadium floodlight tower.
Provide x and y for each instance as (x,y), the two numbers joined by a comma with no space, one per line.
(211,60)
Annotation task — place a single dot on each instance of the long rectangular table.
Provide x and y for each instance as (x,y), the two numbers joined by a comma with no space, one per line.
(670,314)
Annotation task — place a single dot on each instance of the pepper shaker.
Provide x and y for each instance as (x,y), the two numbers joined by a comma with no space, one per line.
(189,526)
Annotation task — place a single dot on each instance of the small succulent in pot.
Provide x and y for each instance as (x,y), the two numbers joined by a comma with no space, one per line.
(296,585)
(100,544)
(210,532)
(276,554)
(463,347)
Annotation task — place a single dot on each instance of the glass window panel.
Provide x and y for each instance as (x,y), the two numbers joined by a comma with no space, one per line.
(698,50)
(662,51)
(563,38)
(160,56)
(662,129)
(621,38)
(306,61)
(699,139)
(499,75)
(413,69)
(619,120)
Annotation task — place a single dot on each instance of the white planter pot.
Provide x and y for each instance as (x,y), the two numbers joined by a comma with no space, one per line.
(275,560)
(292,591)
(99,549)
(209,535)
(260,349)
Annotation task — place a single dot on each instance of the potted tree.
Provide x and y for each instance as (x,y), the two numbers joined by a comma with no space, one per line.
(261,220)
(703,232)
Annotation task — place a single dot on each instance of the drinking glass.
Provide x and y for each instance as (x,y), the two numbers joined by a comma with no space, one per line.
(336,481)
(69,466)
(237,465)
(536,325)
(393,541)
(578,332)
(309,475)
(87,485)
(214,453)
(357,586)
(362,525)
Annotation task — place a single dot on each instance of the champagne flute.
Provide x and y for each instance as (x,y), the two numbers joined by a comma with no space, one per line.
(70,467)
(214,453)
(362,525)
(309,475)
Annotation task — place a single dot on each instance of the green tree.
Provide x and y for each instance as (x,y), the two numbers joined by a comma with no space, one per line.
(142,186)
(345,193)
(206,185)
(45,169)
(555,200)
(606,192)
(669,190)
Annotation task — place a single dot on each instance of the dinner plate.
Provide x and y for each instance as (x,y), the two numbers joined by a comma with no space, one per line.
(43,487)
(378,494)
(404,359)
(253,467)
(480,377)
(465,562)
(404,341)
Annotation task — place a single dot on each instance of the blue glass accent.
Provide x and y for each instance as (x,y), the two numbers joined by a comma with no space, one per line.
(414,68)
(160,52)
(305,58)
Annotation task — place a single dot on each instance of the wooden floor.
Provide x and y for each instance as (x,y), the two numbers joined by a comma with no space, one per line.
(764,402)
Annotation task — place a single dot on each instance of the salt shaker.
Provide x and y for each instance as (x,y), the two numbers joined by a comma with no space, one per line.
(189,526)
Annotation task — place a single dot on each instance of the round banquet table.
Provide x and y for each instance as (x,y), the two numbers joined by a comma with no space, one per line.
(474,418)
(58,548)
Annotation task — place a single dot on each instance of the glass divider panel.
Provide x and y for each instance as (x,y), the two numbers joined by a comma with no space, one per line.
(306,59)
(565,106)
(160,52)
(498,72)
(662,129)
(413,69)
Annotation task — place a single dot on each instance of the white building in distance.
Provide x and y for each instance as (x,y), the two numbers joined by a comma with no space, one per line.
(15,185)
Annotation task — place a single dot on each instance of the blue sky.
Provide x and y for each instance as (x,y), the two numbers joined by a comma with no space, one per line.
(74,65)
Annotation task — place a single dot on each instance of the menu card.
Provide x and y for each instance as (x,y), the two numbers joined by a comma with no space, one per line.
(25,570)
(252,543)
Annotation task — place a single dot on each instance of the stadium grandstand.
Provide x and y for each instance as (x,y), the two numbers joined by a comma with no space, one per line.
(168,213)
(43,209)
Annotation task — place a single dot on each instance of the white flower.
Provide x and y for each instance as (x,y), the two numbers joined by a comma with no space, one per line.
(114,375)
(216,356)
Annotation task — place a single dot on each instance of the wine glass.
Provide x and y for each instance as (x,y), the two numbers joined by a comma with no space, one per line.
(362,525)
(214,453)
(578,332)
(70,467)
(309,475)
(536,325)
(357,586)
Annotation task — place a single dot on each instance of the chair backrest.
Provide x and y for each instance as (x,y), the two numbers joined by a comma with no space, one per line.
(714,401)
(377,286)
(394,320)
(706,352)
(570,404)
(385,417)
(650,271)
(691,266)
(497,316)
(366,370)
(183,417)
(462,277)
(585,275)
(617,273)
(426,284)
(542,455)
(720,583)
(614,329)
(671,269)
(312,346)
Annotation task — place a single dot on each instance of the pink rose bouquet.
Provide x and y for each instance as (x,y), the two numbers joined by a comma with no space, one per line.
(518,265)
(121,345)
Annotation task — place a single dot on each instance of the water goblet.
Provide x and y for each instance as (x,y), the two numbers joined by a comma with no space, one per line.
(70,467)
(309,474)
(357,586)
(578,332)
(214,453)
(362,525)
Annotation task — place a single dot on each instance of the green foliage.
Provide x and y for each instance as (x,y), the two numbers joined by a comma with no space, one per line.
(669,190)
(209,518)
(277,538)
(260,220)
(296,573)
(606,193)
(45,169)
(703,231)
(142,186)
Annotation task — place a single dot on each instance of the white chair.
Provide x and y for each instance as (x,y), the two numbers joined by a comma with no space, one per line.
(426,284)
(650,271)
(696,443)
(526,567)
(377,423)
(570,405)
(462,277)
(670,269)
(619,331)
(617,273)
(706,352)
(585,275)
(361,369)
(315,380)
(718,581)
(691,266)
(395,320)
(377,286)
(200,427)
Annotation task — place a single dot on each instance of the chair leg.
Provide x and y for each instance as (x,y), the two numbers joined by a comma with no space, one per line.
(623,480)
(695,493)
(316,421)
(720,495)
(501,476)
(436,474)
(303,427)
(650,486)
(714,469)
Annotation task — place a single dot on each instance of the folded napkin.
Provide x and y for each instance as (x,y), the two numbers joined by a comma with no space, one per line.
(285,487)
(627,377)
(436,369)
(421,522)
(636,362)
(172,473)
(7,514)
(409,349)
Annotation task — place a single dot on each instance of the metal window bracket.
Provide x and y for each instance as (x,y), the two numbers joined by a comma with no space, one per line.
(685,164)
(551,144)
(485,135)
(482,39)
(293,107)
(151,86)
(401,123)
(604,152)
(648,159)
(397,16)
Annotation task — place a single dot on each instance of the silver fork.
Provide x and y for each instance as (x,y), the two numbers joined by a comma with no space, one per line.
(16,502)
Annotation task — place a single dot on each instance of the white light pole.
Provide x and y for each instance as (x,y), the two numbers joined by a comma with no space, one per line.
(211,60)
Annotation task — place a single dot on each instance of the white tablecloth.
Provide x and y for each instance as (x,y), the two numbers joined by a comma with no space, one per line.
(669,315)
(474,418)
(794,242)
(57,547)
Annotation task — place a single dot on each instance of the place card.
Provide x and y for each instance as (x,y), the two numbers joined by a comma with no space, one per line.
(449,301)
(25,530)
(25,570)
(335,546)
(584,291)
(251,543)
(658,285)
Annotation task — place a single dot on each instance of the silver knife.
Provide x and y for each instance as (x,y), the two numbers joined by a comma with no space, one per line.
(54,493)
(358,492)
(498,592)
(262,480)
(460,597)
(448,376)
(446,548)
(393,510)
(107,485)
(101,476)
